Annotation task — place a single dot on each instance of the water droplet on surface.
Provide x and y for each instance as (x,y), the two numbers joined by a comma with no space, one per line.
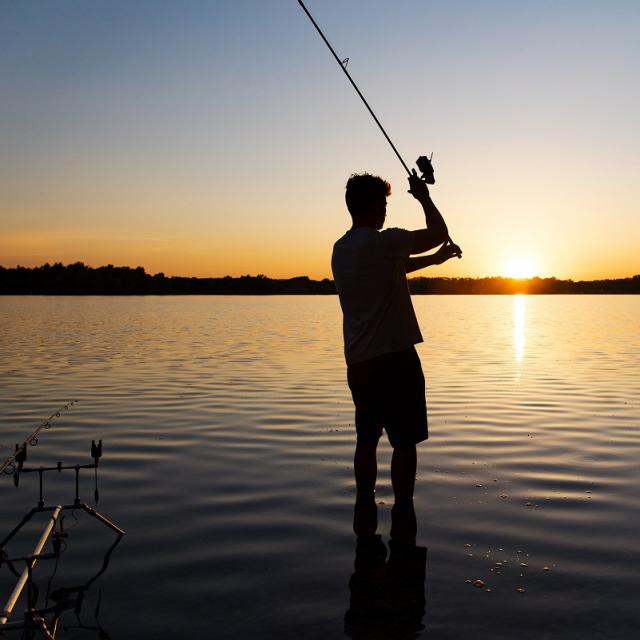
(520,589)
(478,583)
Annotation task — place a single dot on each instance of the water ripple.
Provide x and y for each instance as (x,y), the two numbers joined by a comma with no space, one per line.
(228,434)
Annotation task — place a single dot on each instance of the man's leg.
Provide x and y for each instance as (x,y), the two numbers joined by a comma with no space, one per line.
(365,467)
(403,472)
(404,525)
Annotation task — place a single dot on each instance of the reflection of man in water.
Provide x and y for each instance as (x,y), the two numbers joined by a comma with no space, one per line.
(387,598)
(380,328)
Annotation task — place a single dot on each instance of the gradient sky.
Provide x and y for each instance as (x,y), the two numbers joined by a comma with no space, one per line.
(211,138)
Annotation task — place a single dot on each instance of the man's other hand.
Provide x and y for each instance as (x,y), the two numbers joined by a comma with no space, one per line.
(417,187)
(447,251)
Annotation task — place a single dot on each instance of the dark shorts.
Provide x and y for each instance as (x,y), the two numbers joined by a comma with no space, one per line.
(389,392)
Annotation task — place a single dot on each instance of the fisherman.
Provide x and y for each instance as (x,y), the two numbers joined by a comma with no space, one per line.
(380,329)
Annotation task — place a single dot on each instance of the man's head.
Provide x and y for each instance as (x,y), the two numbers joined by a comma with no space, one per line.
(366,198)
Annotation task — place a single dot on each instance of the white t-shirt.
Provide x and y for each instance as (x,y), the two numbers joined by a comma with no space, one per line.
(369,270)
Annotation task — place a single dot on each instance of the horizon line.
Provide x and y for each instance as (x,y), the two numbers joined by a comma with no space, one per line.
(262,275)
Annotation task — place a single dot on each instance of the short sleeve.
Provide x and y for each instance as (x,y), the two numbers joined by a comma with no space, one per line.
(396,243)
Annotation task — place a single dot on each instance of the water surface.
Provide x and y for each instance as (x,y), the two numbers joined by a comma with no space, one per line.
(228,438)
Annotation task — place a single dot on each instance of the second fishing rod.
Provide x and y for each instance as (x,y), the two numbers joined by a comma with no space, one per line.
(424,163)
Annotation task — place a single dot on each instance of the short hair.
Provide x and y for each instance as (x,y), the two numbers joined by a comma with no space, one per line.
(363,190)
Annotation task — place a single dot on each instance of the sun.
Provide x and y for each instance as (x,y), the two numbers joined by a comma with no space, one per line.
(520,267)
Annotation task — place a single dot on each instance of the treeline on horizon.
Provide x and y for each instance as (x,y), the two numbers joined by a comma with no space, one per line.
(80,279)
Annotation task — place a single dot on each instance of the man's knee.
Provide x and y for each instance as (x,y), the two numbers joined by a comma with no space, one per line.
(405,450)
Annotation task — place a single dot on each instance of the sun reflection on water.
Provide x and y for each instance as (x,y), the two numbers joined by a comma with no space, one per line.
(519,310)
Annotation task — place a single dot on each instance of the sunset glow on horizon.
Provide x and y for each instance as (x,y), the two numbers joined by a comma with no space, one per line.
(212,139)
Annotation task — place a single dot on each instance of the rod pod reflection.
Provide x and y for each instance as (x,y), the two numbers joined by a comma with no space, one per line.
(424,163)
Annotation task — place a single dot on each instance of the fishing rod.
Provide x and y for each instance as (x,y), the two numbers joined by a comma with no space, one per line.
(424,163)
(20,454)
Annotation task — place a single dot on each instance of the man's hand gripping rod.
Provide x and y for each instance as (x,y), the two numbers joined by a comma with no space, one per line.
(424,163)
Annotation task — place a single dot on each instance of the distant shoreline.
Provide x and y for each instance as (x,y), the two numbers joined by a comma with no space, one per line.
(79,279)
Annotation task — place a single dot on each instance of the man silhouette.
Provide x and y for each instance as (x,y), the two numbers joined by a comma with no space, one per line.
(380,329)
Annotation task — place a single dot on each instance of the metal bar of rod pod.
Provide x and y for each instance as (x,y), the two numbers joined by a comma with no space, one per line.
(15,594)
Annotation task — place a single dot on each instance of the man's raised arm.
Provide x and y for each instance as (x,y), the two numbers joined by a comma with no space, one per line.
(436,232)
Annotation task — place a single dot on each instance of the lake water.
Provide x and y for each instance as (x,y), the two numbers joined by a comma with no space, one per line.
(228,441)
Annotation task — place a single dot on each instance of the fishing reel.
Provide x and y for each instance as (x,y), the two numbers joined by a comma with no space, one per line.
(426,169)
